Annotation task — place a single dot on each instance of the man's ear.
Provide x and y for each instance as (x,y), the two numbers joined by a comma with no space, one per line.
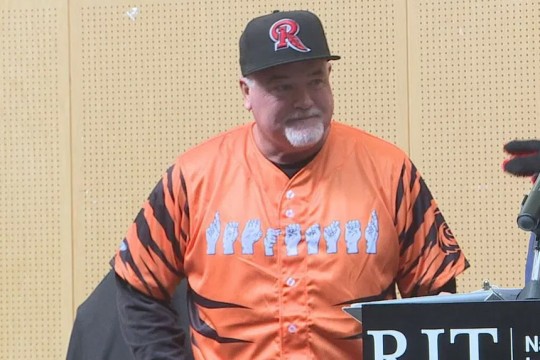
(246,92)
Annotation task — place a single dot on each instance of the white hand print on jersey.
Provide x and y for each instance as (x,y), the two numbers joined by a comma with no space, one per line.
(292,238)
(331,235)
(313,237)
(251,234)
(353,232)
(212,235)
(123,245)
(270,240)
(229,237)
(372,233)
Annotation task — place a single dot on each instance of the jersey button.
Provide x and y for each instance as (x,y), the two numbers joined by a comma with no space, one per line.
(289,194)
(290,282)
(289,213)
(292,328)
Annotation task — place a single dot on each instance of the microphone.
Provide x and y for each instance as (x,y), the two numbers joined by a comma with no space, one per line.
(529,216)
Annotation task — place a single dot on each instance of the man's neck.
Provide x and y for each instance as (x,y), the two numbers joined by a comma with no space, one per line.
(290,169)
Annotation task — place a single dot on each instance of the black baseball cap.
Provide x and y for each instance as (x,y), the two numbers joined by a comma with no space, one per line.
(282,37)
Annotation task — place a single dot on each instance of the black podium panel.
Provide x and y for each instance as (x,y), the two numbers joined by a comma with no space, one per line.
(497,330)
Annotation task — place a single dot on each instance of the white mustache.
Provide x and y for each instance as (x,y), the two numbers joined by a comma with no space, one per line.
(301,116)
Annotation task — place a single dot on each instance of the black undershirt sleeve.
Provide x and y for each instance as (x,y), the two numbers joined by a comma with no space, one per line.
(150,327)
(450,286)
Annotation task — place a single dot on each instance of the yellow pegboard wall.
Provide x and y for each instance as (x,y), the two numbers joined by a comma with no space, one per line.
(475,86)
(35,265)
(371,78)
(449,81)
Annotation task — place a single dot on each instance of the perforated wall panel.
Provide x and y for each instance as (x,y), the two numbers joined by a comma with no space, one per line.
(136,84)
(35,252)
(370,80)
(475,85)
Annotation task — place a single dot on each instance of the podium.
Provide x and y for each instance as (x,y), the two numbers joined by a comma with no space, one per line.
(476,326)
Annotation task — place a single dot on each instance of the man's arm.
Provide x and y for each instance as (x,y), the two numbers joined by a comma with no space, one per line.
(430,257)
(149,266)
(449,287)
(151,327)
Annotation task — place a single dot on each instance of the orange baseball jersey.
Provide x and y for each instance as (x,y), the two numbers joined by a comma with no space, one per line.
(271,261)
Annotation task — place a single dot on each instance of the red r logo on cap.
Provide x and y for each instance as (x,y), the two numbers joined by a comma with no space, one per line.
(283,33)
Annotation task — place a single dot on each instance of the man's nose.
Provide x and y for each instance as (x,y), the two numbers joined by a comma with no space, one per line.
(303,99)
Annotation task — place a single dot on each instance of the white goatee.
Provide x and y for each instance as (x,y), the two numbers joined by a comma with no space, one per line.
(304,136)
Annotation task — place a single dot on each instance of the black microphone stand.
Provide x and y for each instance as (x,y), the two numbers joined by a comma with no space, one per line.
(529,220)
(532,288)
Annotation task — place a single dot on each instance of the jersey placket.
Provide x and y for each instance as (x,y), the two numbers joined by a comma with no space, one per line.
(293,307)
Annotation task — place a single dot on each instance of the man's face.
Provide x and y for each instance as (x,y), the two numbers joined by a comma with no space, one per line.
(292,105)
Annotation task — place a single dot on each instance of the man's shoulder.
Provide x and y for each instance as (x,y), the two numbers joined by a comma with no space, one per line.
(220,145)
(364,141)
(219,151)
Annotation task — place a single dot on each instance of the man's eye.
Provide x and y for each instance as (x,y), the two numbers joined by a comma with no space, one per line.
(283,87)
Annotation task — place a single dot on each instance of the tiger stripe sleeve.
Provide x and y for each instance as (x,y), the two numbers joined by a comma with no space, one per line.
(429,254)
(150,257)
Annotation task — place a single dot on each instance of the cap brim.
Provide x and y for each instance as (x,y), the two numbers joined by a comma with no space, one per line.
(289,61)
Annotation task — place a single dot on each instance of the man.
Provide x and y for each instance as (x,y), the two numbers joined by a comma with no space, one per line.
(279,224)
(524,160)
